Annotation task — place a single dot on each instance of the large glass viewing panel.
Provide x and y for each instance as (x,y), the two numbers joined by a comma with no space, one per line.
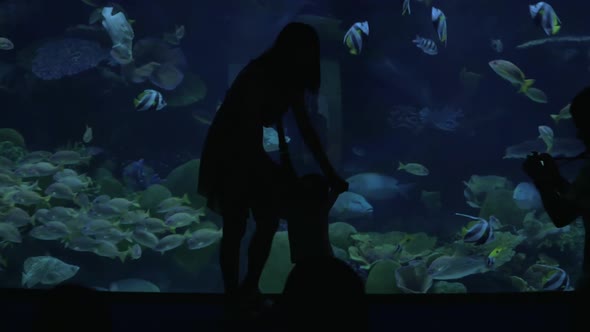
(427,108)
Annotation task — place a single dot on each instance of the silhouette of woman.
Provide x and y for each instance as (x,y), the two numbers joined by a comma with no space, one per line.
(236,174)
(563,201)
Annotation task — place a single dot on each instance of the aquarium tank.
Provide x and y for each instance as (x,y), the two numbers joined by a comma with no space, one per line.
(427,108)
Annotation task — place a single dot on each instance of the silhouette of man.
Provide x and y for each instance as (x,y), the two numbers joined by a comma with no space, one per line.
(236,174)
(564,201)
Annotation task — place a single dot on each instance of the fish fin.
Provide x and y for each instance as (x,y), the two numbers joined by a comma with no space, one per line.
(129,237)
(401,166)
(555,118)
(406,8)
(85,160)
(468,216)
(464,231)
(549,148)
(555,25)
(123,255)
(495,222)
(185,199)
(526,85)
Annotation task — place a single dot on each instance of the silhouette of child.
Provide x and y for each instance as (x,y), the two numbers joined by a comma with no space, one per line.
(324,291)
(308,222)
(564,201)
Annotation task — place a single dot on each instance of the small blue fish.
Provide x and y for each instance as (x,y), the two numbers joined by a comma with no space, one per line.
(138,169)
(140,176)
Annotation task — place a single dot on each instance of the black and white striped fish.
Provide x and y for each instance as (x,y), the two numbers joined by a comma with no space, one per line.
(149,99)
(481,232)
(428,46)
(353,38)
(557,279)
(439,20)
(544,15)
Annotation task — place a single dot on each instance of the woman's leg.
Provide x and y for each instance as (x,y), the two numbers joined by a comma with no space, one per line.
(234,228)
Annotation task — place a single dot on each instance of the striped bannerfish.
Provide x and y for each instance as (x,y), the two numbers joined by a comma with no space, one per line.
(439,20)
(149,99)
(353,38)
(556,280)
(427,45)
(481,232)
(544,15)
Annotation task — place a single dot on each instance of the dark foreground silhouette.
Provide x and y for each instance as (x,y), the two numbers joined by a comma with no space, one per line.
(308,219)
(72,308)
(565,201)
(237,175)
(325,292)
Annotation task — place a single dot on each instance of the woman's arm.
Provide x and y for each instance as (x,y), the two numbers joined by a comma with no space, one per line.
(311,138)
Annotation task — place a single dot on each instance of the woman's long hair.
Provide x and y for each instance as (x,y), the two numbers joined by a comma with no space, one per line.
(295,56)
